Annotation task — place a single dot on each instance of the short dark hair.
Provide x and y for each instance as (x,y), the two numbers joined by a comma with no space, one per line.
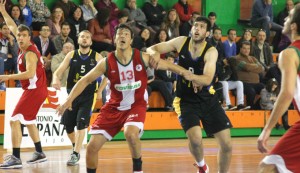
(122,13)
(245,43)
(217,28)
(65,24)
(296,17)
(124,26)
(231,29)
(205,20)
(23,27)
(42,25)
(212,14)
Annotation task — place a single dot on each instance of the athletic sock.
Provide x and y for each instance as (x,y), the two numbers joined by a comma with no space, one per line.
(38,147)
(16,152)
(88,170)
(137,164)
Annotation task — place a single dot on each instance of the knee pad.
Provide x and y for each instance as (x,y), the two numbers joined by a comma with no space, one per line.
(81,125)
(69,129)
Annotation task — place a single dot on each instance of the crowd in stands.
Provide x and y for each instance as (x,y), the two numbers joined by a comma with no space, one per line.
(244,65)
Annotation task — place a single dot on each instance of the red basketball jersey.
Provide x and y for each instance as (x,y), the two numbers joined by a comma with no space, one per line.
(39,79)
(128,83)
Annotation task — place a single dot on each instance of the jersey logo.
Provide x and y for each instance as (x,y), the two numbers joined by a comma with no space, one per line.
(93,63)
(128,86)
(138,67)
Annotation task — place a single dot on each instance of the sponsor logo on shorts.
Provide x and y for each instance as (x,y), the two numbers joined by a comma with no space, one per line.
(128,86)
(130,117)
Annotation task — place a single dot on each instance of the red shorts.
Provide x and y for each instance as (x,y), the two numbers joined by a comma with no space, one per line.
(29,104)
(288,147)
(110,120)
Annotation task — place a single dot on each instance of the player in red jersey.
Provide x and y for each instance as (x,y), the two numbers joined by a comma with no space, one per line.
(33,80)
(285,156)
(126,70)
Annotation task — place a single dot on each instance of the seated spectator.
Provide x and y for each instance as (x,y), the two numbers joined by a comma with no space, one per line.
(262,17)
(159,85)
(40,12)
(212,16)
(8,53)
(248,69)
(155,14)
(185,28)
(217,42)
(122,19)
(100,29)
(88,9)
(161,36)
(16,15)
(268,95)
(167,76)
(47,49)
(77,24)
(58,59)
(171,24)
(229,44)
(113,8)
(65,5)
(26,12)
(8,49)
(262,51)
(247,36)
(143,40)
(184,10)
(285,12)
(63,37)
(135,14)
(228,77)
(54,23)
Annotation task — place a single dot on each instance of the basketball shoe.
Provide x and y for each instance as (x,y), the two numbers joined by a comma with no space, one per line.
(37,157)
(11,162)
(202,169)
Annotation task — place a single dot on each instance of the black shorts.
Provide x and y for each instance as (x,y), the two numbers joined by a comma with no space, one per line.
(209,111)
(81,111)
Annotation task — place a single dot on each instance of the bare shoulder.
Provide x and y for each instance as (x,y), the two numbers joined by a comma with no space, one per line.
(289,56)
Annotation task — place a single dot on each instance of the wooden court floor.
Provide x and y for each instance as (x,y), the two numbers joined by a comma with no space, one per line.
(159,156)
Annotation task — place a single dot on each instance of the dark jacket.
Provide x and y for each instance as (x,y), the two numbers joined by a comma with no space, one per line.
(268,57)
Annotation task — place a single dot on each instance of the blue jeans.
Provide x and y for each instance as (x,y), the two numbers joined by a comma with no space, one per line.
(1,66)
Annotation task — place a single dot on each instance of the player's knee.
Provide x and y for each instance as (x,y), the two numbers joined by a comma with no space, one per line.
(226,148)
(81,125)
(131,137)
(69,129)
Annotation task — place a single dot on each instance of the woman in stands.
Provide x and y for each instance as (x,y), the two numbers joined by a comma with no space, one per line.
(247,36)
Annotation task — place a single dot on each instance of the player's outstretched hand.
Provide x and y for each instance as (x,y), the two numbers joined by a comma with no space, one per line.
(62,108)
(262,141)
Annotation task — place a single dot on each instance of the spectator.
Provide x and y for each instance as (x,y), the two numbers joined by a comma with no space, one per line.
(122,19)
(262,17)
(171,23)
(268,95)
(161,36)
(47,49)
(40,12)
(26,12)
(248,69)
(229,44)
(65,5)
(155,14)
(8,5)
(167,76)
(143,40)
(161,86)
(285,12)
(88,9)
(54,23)
(217,42)
(135,14)
(63,37)
(212,16)
(109,5)
(262,52)
(16,15)
(185,28)
(100,29)
(247,36)
(77,24)
(184,10)
(58,59)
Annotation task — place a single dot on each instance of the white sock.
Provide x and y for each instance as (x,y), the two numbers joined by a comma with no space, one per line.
(201,163)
